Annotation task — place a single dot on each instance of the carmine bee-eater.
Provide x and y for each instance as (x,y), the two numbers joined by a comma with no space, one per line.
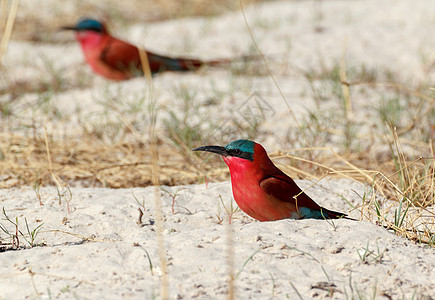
(118,60)
(261,189)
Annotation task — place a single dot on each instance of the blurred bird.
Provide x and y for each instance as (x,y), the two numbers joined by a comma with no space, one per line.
(118,60)
(261,189)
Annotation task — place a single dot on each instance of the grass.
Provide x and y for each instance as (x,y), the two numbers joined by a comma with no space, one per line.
(88,161)
(352,291)
(116,150)
(149,261)
(16,233)
(230,211)
(371,256)
(173,196)
(113,150)
(186,130)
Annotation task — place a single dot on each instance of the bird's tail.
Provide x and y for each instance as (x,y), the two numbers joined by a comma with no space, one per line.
(190,64)
(225,61)
(330,214)
(163,63)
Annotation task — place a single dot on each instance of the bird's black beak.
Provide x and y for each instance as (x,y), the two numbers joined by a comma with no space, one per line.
(68,28)
(213,149)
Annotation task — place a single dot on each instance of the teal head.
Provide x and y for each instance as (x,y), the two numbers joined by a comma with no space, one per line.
(87,25)
(243,149)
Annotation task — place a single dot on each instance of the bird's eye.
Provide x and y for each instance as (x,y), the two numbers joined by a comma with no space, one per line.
(237,152)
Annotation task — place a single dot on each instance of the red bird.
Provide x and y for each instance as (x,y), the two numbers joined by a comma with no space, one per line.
(118,60)
(261,189)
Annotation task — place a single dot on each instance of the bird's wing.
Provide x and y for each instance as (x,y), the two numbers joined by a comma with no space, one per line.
(121,56)
(164,63)
(284,189)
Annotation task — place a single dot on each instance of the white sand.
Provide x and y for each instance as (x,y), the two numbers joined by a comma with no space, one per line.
(104,254)
(97,250)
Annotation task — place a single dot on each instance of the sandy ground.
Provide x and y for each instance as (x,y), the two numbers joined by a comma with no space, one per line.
(98,249)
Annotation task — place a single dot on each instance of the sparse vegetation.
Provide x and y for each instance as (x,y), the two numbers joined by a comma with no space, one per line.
(187,123)
(230,211)
(16,233)
(365,123)
(371,256)
(122,158)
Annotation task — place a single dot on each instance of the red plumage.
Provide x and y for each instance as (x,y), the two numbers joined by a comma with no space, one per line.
(116,59)
(261,189)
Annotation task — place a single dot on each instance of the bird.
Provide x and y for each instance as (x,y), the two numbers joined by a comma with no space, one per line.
(118,60)
(262,190)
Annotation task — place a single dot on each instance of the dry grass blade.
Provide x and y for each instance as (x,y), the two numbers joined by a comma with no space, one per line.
(145,64)
(164,284)
(50,165)
(86,162)
(345,88)
(407,188)
(230,261)
(270,72)
(8,27)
